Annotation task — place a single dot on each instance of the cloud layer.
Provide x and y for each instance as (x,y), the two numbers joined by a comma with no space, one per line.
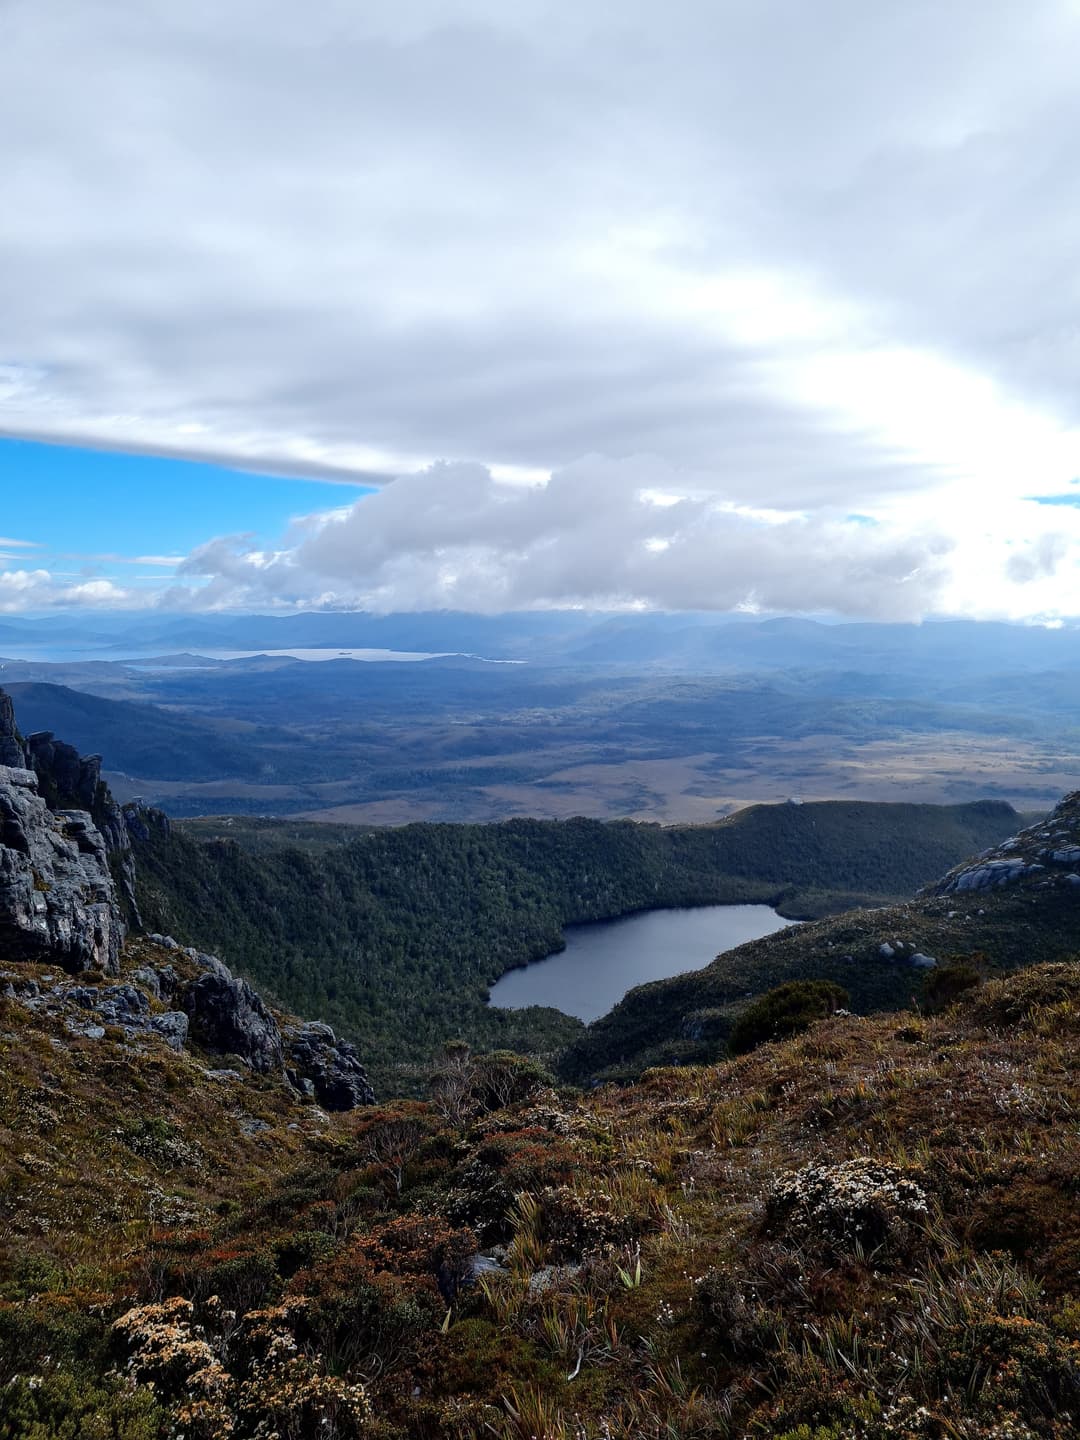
(598,534)
(812,261)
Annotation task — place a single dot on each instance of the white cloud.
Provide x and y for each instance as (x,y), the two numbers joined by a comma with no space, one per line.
(455,537)
(818,260)
(30,590)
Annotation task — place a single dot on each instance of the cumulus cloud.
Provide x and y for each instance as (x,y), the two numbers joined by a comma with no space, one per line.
(598,534)
(33,590)
(817,259)
(1039,559)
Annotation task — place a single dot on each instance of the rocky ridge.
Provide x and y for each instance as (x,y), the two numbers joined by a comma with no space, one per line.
(66,902)
(1043,856)
(192,1002)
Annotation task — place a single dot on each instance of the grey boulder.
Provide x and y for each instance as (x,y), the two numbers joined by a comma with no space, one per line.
(228,1017)
(172,1026)
(321,1063)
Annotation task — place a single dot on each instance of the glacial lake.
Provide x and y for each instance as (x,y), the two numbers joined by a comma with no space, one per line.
(602,961)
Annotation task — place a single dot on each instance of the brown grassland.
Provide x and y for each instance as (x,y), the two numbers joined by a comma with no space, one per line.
(940,768)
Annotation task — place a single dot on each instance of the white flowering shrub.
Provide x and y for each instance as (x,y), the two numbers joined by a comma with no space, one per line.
(861,1202)
(271,1390)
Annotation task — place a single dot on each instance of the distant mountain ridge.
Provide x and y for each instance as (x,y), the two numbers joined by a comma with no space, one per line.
(571,636)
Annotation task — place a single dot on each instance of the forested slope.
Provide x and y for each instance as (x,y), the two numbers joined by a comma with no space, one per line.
(397,935)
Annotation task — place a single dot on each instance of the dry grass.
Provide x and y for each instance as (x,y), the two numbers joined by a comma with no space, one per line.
(866,1233)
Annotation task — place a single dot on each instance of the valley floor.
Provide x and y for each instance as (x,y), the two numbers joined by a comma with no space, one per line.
(695,789)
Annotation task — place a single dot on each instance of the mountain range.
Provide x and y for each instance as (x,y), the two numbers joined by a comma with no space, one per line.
(661,717)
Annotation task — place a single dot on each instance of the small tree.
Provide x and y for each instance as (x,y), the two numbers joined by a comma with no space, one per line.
(787,1010)
(944,985)
(505,1078)
(453,1081)
(464,1085)
(391,1139)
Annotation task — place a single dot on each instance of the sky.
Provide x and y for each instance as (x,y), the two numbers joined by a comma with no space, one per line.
(725,304)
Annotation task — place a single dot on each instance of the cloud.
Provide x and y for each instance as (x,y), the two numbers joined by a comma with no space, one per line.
(165,562)
(30,590)
(600,534)
(1038,560)
(817,260)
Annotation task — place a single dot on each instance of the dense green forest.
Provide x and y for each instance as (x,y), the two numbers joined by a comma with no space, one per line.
(396,935)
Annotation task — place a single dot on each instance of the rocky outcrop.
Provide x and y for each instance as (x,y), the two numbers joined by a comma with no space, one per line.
(58,899)
(12,750)
(321,1065)
(69,780)
(128,1008)
(229,1017)
(87,1010)
(1044,856)
(172,1026)
(66,870)
(905,952)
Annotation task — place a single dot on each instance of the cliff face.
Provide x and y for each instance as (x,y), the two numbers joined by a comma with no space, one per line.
(58,898)
(67,873)
(69,780)
(67,895)
(12,750)
(57,894)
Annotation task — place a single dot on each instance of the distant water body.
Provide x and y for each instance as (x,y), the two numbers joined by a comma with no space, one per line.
(76,655)
(603,961)
(320,654)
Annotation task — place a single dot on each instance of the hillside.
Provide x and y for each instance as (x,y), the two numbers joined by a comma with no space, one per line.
(398,935)
(867,1233)
(138,739)
(210,1230)
(1015,904)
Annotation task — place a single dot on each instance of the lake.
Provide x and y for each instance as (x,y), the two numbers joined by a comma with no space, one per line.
(603,961)
(76,655)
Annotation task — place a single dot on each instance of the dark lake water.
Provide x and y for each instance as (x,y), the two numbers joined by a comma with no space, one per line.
(602,961)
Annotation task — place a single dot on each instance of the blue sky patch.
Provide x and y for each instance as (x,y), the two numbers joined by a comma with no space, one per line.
(1055,499)
(95,511)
